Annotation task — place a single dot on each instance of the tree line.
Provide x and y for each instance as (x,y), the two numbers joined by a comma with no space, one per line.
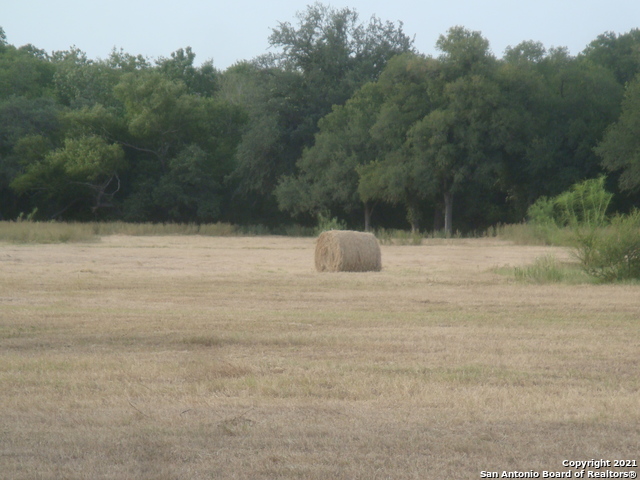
(347,119)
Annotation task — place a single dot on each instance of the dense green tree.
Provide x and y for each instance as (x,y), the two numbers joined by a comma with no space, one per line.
(408,86)
(201,80)
(619,54)
(327,175)
(525,53)
(83,172)
(556,109)
(20,119)
(272,140)
(25,72)
(336,53)
(320,62)
(125,62)
(341,117)
(179,140)
(80,81)
(620,148)
(452,146)
(465,52)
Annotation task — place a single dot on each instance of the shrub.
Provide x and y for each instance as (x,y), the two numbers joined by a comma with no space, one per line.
(542,212)
(548,269)
(326,223)
(611,253)
(584,204)
(535,234)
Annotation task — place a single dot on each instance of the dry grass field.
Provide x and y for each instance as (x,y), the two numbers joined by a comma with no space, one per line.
(179,357)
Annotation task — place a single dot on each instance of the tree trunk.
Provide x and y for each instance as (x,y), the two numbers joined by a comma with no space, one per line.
(438,220)
(448,213)
(413,214)
(368,210)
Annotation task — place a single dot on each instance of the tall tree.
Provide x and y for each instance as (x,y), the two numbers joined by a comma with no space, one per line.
(335,53)
(620,148)
(618,53)
(184,146)
(22,120)
(557,107)
(201,80)
(82,82)
(327,177)
(453,143)
(321,61)
(25,72)
(408,85)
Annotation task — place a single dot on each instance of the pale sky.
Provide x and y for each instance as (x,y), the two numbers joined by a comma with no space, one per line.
(232,30)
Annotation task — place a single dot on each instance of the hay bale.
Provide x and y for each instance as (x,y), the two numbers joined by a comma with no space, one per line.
(347,251)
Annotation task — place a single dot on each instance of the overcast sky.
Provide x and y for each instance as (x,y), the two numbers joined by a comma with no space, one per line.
(232,30)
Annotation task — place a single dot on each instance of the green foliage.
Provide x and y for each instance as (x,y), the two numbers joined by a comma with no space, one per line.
(344,117)
(547,270)
(185,145)
(535,234)
(396,176)
(618,53)
(465,52)
(89,158)
(335,52)
(611,253)
(543,212)
(607,249)
(544,270)
(556,109)
(620,147)
(25,72)
(323,59)
(584,205)
(84,168)
(199,80)
(190,190)
(327,175)
(82,82)
(325,222)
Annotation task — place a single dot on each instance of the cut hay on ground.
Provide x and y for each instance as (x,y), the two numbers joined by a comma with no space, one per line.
(347,251)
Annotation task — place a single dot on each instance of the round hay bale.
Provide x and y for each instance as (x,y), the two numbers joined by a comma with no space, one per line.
(347,251)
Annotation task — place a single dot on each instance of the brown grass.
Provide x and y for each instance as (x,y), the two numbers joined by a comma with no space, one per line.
(195,357)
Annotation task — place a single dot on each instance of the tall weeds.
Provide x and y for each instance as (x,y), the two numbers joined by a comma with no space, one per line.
(45,232)
(611,253)
(607,248)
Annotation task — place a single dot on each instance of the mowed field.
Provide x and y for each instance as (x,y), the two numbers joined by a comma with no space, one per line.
(188,357)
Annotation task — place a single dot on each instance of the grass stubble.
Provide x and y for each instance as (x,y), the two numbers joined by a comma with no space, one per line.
(195,357)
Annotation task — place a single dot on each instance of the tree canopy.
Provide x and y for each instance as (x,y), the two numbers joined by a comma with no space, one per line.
(342,118)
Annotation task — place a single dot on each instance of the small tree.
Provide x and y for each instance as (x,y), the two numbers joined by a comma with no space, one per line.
(585,204)
(608,249)
(612,253)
